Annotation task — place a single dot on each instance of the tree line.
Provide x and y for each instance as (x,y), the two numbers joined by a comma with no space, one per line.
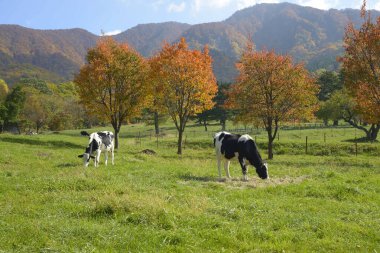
(117,85)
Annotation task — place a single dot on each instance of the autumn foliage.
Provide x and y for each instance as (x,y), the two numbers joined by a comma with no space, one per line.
(271,89)
(183,82)
(112,85)
(361,68)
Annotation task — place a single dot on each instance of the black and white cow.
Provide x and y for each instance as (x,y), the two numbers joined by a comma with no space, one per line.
(229,145)
(98,142)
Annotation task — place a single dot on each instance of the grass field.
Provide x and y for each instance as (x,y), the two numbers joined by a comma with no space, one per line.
(325,201)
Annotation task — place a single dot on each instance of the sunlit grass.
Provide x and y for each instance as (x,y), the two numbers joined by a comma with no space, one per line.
(323,202)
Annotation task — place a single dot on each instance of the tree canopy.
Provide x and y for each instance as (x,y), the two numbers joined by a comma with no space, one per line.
(361,68)
(112,85)
(185,82)
(271,89)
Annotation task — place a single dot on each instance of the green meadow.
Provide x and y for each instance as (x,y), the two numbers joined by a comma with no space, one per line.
(325,200)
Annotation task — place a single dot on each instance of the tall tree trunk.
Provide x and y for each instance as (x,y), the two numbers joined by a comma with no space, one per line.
(270,150)
(271,136)
(116,128)
(205,124)
(373,132)
(180,135)
(116,139)
(181,129)
(270,142)
(156,126)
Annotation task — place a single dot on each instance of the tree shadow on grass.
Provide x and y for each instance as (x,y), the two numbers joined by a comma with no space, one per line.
(361,140)
(189,177)
(68,165)
(54,144)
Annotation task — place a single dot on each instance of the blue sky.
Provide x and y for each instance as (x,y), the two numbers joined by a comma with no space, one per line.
(113,16)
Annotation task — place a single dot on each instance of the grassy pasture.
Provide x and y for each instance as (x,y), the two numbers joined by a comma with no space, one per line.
(325,201)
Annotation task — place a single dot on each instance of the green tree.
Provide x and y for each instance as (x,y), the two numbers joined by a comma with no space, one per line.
(342,106)
(329,81)
(4,90)
(37,84)
(13,104)
(219,112)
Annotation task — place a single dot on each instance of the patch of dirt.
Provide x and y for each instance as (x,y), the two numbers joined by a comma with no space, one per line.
(149,152)
(259,183)
(43,154)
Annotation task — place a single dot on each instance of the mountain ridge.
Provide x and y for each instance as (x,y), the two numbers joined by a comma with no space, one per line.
(308,34)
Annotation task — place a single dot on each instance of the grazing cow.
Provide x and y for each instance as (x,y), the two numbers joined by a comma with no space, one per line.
(229,145)
(98,142)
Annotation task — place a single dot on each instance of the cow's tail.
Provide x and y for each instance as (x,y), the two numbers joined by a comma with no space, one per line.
(84,133)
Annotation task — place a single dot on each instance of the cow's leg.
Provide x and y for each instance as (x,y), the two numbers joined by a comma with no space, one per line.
(227,168)
(97,158)
(106,157)
(219,160)
(244,168)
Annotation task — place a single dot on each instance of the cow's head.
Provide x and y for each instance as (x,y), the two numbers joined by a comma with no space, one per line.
(263,171)
(86,158)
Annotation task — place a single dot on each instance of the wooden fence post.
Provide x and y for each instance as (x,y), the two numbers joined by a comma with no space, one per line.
(356,147)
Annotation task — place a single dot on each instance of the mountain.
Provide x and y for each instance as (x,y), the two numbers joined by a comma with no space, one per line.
(55,53)
(310,35)
(148,38)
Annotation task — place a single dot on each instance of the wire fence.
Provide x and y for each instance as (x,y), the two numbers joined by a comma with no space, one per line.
(313,139)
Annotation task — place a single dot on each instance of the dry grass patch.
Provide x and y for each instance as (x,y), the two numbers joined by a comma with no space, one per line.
(259,183)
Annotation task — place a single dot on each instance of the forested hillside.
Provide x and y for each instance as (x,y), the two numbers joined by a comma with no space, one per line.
(308,34)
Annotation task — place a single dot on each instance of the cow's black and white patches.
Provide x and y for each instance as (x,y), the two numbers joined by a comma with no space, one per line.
(228,146)
(98,142)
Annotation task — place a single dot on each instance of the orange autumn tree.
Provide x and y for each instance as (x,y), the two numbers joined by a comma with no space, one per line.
(112,85)
(185,82)
(361,71)
(270,89)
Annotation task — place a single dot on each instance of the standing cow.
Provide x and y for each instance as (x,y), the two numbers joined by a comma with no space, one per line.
(229,145)
(98,142)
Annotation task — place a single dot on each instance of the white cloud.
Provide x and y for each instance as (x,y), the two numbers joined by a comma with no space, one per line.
(319,4)
(218,3)
(157,4)
(376,6)
(111,33)
(197,5)
(241,4)
(176,7)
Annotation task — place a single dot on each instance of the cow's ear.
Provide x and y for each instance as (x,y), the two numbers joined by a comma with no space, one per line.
(80,156)
(93,157)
